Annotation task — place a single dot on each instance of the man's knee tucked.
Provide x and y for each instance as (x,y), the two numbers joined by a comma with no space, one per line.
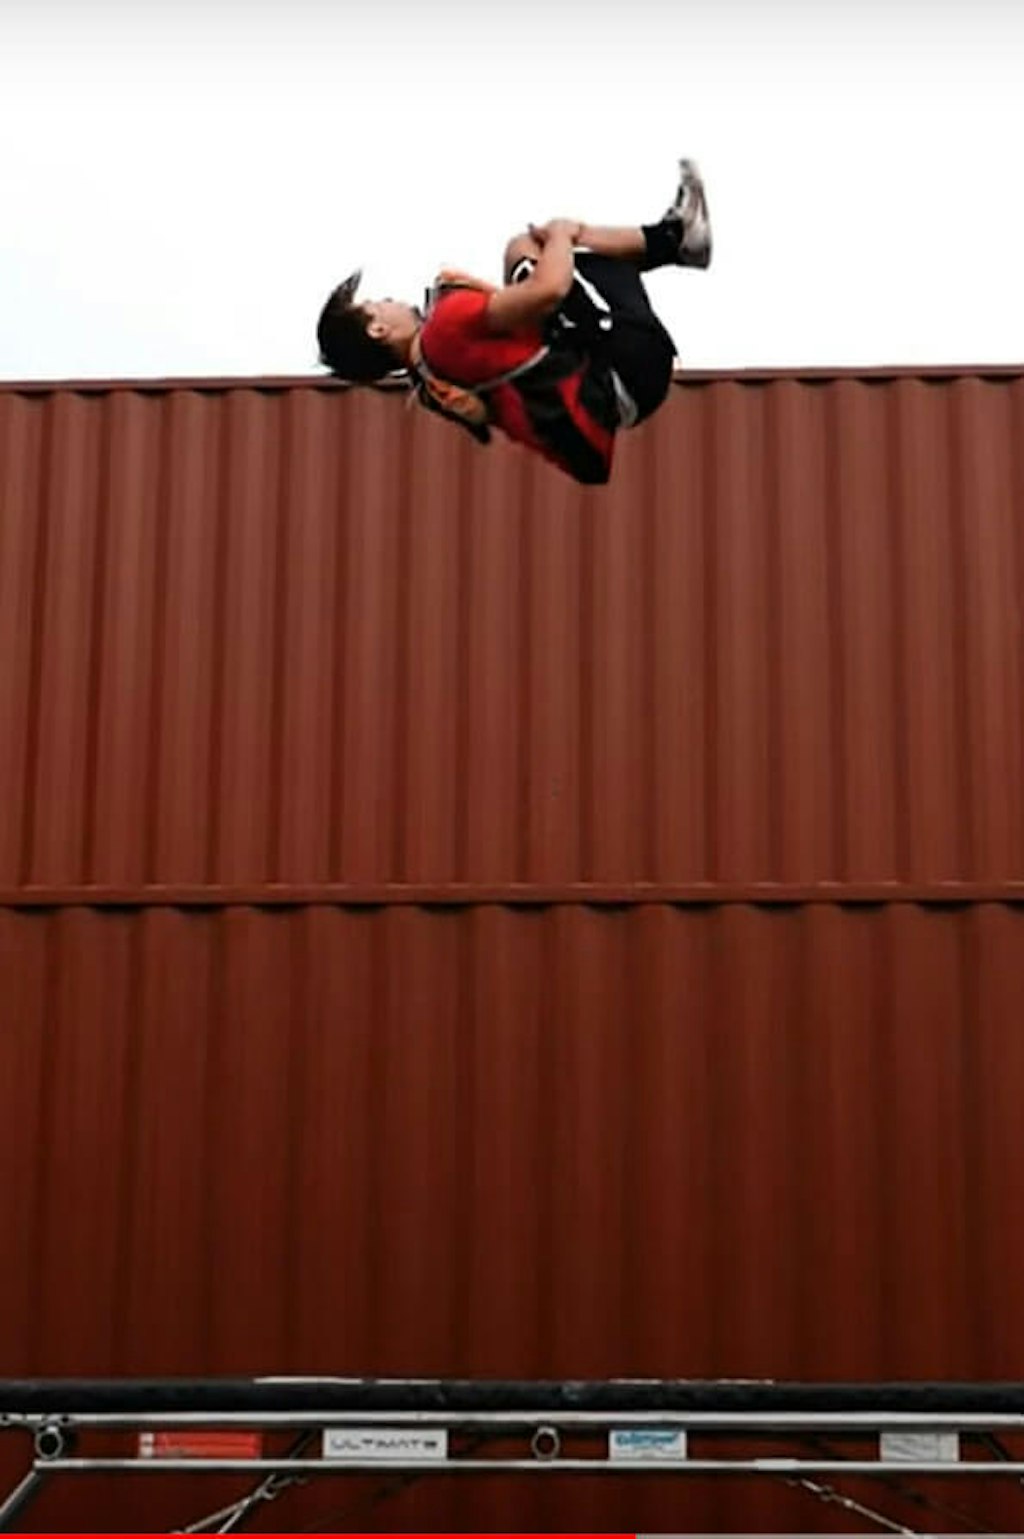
(520,248)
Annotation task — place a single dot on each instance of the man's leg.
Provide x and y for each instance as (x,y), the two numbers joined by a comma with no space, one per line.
(643,246)
(626,244)
(608,260)
(642,354)
(681,238)
(646,246)
(609,305)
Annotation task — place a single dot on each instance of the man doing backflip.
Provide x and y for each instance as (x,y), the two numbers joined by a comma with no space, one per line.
(568,353)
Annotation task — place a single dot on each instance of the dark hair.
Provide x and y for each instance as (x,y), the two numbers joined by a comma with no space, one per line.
(345,344)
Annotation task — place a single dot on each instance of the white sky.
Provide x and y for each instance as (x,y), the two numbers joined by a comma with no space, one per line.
(182,183)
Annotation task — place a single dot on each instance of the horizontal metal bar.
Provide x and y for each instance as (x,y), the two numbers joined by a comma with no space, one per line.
(509,895)
(327,384)
(874,1467)
(334,1395)
(726,1421)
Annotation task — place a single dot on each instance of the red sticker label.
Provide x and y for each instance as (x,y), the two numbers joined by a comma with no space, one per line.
(183,1444)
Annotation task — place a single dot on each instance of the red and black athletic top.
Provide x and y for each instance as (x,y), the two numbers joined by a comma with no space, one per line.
(560,406)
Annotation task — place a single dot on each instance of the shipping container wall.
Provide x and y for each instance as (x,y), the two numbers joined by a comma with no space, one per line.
(317,726)
(300,635)
(562,1141)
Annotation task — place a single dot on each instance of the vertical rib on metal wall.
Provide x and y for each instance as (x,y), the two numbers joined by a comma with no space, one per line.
(299,636)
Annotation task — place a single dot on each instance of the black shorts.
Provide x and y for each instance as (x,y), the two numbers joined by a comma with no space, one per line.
(636,345)
(608,313)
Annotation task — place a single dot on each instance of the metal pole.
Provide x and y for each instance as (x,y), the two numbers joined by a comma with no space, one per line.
(962,1469)
(19,1498)
(721,1421)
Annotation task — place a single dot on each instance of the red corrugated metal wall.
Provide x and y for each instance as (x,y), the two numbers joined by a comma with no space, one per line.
(728,1140)
(380,986)
(302,636)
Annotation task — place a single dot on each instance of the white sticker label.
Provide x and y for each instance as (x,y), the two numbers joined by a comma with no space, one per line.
(920,1447)
(384,1443)
(651,1443)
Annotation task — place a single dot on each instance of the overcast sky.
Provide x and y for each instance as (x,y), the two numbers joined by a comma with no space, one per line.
(183,182)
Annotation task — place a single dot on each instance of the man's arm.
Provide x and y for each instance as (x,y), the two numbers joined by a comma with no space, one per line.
(519,305)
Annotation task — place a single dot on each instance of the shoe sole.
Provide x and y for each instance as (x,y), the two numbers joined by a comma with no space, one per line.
(691,182)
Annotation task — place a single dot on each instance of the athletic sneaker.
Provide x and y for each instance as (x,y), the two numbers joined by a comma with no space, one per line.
(690,209)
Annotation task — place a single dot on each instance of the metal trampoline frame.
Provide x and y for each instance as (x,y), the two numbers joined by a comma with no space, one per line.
(419,1428)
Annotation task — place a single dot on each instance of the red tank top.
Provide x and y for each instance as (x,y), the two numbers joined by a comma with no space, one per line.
(558,407)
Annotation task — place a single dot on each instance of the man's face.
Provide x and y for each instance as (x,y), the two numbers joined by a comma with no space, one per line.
(390,320)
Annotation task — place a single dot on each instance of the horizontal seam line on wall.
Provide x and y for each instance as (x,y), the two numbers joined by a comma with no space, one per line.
(454,894)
